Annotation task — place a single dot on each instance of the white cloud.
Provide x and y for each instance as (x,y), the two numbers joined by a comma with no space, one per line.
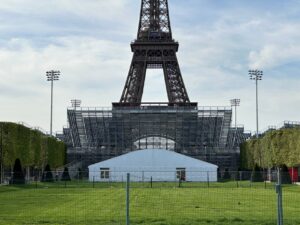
(87,9)
(279,46)
(90,70)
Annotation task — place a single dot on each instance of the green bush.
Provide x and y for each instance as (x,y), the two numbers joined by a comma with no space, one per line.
(33,148)
(47,174)
(18,175)
(257,174)
(275,148)
(66,176)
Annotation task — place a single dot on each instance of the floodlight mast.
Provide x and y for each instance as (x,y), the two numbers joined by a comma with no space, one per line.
(235,103)
(256,75)
(52,76)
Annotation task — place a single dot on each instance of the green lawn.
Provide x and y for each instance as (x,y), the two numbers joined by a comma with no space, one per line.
(164,204)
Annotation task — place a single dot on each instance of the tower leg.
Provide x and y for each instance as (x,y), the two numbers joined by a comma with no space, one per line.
(174,83)
(134,86)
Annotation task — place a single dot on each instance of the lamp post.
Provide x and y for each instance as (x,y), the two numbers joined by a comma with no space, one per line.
(52,76)
(256,75)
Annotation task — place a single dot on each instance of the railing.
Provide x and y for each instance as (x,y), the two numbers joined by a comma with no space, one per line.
(283,125)
(156,105)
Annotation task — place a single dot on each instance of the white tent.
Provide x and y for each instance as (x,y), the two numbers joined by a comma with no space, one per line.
(155,164)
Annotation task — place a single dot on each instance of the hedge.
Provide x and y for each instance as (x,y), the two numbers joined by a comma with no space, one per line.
(274,148)
(32,147)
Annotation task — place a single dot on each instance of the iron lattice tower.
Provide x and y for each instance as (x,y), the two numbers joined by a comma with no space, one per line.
(96,134)
(154,48)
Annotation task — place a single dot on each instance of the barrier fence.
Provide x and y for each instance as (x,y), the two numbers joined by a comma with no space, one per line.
(149,197)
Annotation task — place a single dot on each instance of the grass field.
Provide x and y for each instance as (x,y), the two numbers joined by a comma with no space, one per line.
(164,204)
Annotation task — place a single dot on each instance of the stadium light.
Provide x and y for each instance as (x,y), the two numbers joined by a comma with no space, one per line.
(235,103)
(52,76)
(256,75)
(75,103)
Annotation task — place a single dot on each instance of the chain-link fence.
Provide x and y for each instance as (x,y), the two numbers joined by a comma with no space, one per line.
(150,197)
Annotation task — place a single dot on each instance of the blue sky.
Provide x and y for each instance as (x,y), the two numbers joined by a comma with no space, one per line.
(89,42)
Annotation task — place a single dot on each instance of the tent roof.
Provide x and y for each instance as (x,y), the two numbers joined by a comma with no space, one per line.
(153,158)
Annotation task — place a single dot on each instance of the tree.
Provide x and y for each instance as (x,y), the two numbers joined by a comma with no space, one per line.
(66,176)
(31,146)
(47,175)
(285,175)
(18,175)
(257,174)
(273,149)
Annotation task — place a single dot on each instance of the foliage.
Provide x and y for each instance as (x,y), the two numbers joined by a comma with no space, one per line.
(275,148)
(47,174)
(33,148)
(18,175)
(66,176)
(285,175)
(257,175)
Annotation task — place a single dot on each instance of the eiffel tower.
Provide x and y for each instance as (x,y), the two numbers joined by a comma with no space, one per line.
(154,48)
(97,134)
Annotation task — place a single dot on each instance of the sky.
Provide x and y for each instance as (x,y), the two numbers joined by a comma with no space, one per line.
(89,42)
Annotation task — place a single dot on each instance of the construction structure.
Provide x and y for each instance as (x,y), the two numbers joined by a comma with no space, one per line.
(96,134)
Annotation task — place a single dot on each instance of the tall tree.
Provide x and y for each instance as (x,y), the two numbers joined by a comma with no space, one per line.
(18,175)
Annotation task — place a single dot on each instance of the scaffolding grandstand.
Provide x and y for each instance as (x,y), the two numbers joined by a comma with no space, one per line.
(97,134)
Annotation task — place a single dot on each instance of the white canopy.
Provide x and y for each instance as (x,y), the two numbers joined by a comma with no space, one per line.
(156,163)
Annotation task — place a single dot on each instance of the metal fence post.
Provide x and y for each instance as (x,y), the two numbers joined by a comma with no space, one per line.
(279,199)
(127,199)
(207,179)
(179,182)
(265,184)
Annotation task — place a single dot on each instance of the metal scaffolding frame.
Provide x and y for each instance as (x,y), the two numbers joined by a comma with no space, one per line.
(96,134)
